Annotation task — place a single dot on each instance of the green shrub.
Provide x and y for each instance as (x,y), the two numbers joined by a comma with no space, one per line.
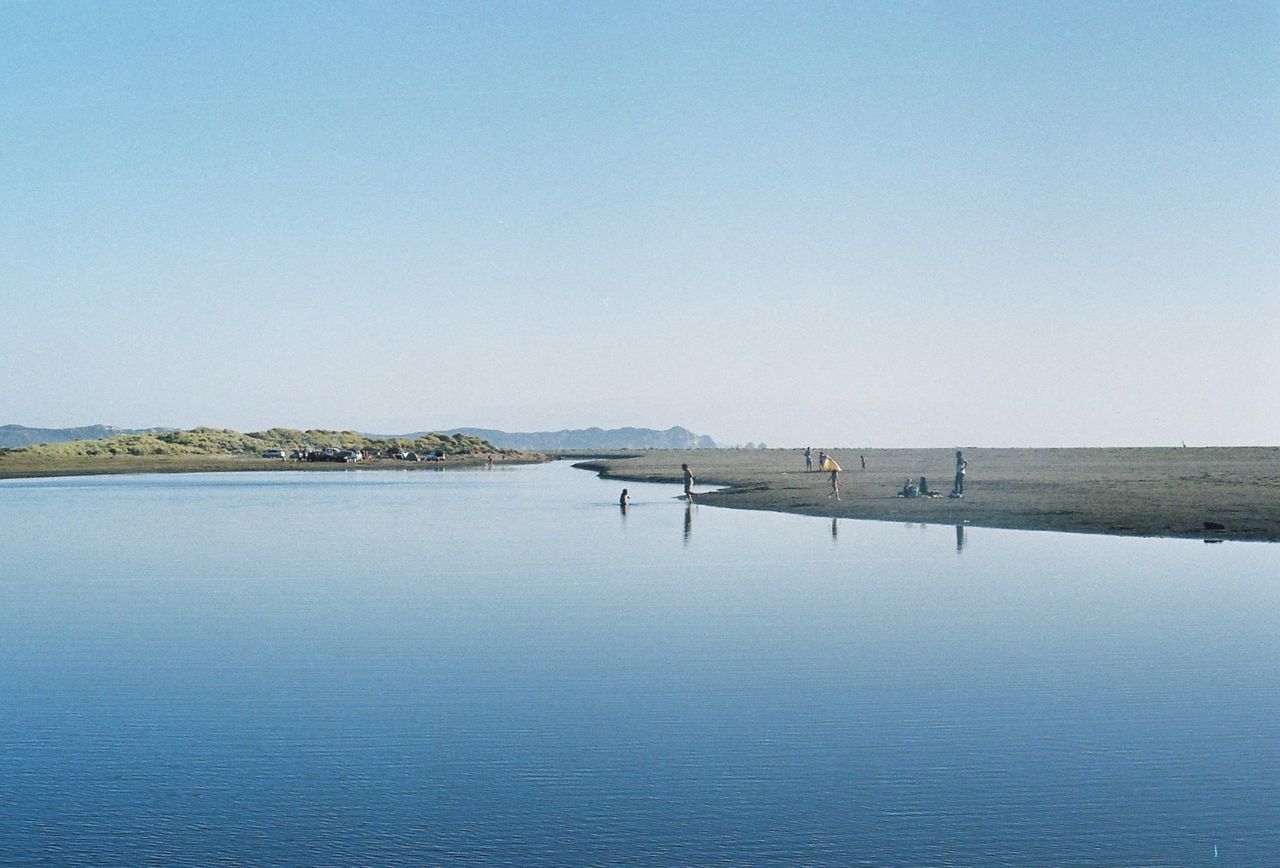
(221,441)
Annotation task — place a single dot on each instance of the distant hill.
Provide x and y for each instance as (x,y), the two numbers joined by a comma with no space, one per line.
(18,436)
(592,438)
(222,441)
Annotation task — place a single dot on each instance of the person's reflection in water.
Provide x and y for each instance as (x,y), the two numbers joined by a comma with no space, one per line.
(835,534)
(688,522)
(959,538)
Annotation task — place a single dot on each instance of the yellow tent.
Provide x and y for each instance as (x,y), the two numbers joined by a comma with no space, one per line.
(830,464)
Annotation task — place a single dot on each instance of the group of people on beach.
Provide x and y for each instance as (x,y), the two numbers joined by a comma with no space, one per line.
(909,488)
(829,465)
(826,464)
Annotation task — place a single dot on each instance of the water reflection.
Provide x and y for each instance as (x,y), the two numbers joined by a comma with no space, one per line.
(568,675)
(835,533)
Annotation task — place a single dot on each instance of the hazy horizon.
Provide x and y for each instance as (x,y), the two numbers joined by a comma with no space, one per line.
(876,224)
(720,442)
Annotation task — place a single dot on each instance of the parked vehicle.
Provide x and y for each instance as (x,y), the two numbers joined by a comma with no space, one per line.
(438,455)
(273,453)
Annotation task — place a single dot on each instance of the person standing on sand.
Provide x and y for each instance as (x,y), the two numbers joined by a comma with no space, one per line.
(808,458)
(688,482)
(829,464)
(961,466)
(863,459)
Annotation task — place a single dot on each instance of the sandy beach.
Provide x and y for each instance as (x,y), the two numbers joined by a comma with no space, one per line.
(1166,492)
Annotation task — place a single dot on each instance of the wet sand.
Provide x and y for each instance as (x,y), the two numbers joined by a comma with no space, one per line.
(1165,492)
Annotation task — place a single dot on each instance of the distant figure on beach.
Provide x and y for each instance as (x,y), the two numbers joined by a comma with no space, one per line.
(688,482)
(822,460)
(863,459)
(624,500)
(488,461)
(808,458)
(961,466)
(829,464)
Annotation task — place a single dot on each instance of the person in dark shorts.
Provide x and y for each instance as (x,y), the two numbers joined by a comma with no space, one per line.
(961,466)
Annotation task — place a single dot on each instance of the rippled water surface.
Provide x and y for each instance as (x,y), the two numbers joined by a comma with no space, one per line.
(422,667)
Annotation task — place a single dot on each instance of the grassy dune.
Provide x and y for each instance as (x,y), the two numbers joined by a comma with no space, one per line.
(217,449)
(222,441)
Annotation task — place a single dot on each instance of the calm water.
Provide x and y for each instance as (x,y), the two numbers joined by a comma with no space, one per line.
(395,667)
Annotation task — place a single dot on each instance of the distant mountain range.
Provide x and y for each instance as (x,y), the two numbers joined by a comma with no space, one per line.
(17,436)
(592,438)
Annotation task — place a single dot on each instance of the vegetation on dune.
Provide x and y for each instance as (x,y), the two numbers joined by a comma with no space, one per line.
(221,441)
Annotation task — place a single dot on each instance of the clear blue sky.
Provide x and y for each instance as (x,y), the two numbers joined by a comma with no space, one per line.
(881,224)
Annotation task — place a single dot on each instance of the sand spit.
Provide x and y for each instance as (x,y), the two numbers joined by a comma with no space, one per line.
(1203,493)
(17,465)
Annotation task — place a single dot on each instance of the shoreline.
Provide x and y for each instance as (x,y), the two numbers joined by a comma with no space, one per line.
(131,464)
(1174,492)
(1143,491)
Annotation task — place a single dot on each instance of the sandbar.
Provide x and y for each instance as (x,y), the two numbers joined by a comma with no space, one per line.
(1210,493)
